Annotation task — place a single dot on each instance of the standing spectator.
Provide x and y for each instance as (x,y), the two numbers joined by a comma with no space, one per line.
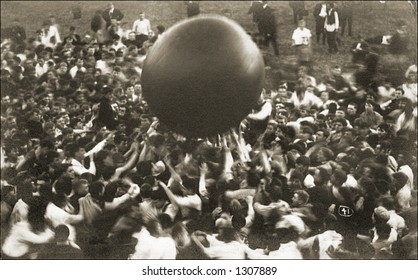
(50,35)
(320,13)
(301,40)
(98,26)
(142,26)
(54,29)
(298,8)
(255,9)
(331,26)
(267,26)
(346,14)
(193,8)
(112,13)
(76,39)
(399,41)
(18,33)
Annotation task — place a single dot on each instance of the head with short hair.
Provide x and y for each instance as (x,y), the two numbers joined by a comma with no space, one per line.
(61,233)
(300,198)
(338,177)
(80,186)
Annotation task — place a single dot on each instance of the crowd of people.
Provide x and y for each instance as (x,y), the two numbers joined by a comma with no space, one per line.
(323,168)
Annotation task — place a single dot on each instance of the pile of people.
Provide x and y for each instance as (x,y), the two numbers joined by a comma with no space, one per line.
(323,168)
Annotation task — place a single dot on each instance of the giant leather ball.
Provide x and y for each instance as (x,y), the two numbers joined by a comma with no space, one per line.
(203,76)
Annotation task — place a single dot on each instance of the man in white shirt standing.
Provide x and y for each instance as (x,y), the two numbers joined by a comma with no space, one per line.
(142,26)
(142,29)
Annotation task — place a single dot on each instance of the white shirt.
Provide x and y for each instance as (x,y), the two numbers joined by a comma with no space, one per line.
(410,91)
(119,46)
(287,251)
(142,27)
(223,251)
(325,240)
(403,197)
(309,99)
(53,31)
(407,170)
(323,12)
(57,216)
(152,248)
(301,36)
(40,70)
(19,212)
(385,94)
(20,238)
(104,67)
(75,69)
(395,221)
(80,169)
(334,26)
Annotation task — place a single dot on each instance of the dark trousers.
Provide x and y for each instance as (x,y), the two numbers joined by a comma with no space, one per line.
(271,38)
(332,42)
(319,29)
(297,15)
(344,21)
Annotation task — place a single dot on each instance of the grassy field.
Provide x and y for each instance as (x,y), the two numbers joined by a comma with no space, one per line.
(371,18)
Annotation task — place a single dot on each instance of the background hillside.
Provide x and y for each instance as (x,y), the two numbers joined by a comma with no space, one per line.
(371,18)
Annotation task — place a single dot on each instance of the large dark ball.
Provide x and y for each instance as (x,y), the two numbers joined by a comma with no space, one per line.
(203,76)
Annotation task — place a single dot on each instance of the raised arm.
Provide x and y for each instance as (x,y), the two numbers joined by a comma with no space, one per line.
(128,165)
(229,160)
(202,181)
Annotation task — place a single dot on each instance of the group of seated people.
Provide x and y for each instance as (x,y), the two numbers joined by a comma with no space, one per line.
(323,168)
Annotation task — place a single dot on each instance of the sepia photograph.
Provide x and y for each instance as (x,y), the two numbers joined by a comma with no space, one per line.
(208,130)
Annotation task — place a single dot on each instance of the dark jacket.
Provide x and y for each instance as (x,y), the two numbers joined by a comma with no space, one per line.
(117,14)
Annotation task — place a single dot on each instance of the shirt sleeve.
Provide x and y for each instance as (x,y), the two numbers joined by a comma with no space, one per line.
(191,201)
(34,238)
(337,21)
(134,27)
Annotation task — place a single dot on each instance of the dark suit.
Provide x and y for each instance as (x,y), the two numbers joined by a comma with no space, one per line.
(18,34)
(116,14)
(193,8)
(346,17)
(255,9)
(298,8)
(267,27)
(319,26)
